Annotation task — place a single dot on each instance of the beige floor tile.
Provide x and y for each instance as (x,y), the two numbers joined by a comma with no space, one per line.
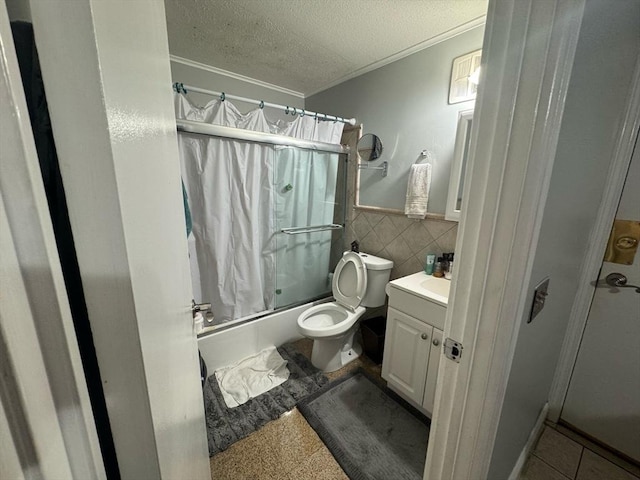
(320,466)
(287,442)
(536,469)
(594,447)
(241,461)
(595,467)
(559,451)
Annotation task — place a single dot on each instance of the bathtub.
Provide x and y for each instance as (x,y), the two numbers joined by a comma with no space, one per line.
(229,345)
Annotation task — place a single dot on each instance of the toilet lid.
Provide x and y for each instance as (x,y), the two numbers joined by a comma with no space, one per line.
(350,280)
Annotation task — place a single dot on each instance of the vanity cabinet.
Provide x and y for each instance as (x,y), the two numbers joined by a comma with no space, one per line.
(413,343)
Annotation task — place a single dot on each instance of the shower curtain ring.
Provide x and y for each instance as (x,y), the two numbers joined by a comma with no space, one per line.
(222,97)
(302,113)
(286,110)
(184,90)
(261,104)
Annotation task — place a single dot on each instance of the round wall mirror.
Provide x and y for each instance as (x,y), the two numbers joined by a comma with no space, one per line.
(369,147)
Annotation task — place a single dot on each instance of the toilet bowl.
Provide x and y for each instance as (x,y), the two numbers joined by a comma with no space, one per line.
(358,282)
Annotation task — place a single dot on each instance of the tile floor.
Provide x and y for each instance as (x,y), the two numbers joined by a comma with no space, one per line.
(287,448)
(562,454)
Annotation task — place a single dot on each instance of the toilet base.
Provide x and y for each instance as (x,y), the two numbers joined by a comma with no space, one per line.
(332,354)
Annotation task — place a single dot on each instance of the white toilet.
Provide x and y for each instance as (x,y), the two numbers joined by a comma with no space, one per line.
(358,282)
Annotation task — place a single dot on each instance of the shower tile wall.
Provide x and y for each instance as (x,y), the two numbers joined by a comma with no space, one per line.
(403,240)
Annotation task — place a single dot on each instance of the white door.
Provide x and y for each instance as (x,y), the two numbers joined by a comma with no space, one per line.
(603,400)
(106,72)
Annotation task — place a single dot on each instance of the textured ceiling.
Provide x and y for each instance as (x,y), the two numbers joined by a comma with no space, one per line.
(305,45)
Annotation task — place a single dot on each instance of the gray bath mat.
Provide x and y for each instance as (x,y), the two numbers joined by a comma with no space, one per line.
(372,433)
(225,425)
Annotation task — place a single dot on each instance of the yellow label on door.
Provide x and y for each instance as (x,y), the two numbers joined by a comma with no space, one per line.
(623,242)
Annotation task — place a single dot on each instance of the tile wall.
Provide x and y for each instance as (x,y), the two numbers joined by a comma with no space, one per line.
(398,238)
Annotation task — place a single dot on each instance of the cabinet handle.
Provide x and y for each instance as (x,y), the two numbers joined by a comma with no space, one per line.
(424,336)
(436,342)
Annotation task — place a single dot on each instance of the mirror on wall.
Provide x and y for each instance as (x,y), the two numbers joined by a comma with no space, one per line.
(369,147)
(459,166)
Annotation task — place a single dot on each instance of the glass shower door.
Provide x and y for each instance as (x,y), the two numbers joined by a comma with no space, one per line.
(309,218)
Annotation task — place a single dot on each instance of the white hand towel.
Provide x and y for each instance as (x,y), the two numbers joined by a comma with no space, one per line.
(252,376)
(418,191)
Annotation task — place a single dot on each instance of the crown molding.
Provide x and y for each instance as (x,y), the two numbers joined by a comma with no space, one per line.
(235,76)
(465,27)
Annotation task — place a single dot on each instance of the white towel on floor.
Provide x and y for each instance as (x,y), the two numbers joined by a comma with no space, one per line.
(252,376)
(418,191)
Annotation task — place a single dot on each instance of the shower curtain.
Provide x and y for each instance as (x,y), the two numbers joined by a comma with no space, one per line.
(240,195)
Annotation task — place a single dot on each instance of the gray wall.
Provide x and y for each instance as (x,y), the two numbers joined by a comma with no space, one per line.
(405,104)
(199,77)
(608,45)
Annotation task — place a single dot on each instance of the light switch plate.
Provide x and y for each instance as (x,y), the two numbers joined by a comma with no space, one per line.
(539,297)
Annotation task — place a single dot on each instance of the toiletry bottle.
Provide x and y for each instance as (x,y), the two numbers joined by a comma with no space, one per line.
(447,269)
(437,271)
(428,266)
(445,263)
(449,273)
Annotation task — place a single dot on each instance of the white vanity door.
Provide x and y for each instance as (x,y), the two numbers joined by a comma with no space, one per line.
(406,354)
(432,371)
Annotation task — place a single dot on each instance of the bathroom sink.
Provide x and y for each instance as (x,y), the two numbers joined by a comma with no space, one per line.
(437,286)
(424,286)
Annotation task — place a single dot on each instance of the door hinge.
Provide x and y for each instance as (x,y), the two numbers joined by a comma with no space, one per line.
(452,350)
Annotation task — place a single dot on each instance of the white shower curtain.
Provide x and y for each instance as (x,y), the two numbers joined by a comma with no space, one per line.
(239,202)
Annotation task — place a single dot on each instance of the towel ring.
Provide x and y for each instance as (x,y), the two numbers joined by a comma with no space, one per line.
(424,154)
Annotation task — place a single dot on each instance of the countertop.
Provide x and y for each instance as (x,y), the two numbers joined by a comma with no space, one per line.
(425,286)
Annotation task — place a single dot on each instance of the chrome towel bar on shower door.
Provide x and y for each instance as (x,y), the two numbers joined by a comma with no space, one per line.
(315,228)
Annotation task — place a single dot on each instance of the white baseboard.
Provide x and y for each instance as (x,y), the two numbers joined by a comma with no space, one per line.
(531,441)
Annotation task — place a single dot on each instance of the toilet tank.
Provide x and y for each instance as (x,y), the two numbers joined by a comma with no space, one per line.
(378,272)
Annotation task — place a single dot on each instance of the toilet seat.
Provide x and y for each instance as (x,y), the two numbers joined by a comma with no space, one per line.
(349,281)
(328,320)
(349,286)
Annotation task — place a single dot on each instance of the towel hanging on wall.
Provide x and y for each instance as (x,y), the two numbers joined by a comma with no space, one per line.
(418,191)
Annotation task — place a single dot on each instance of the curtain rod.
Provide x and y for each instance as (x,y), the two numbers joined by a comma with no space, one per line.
(201,128)
(182,88)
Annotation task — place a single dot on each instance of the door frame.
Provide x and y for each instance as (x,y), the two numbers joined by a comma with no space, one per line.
(47,428)
(519,111)
(528,53)
(626,141)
